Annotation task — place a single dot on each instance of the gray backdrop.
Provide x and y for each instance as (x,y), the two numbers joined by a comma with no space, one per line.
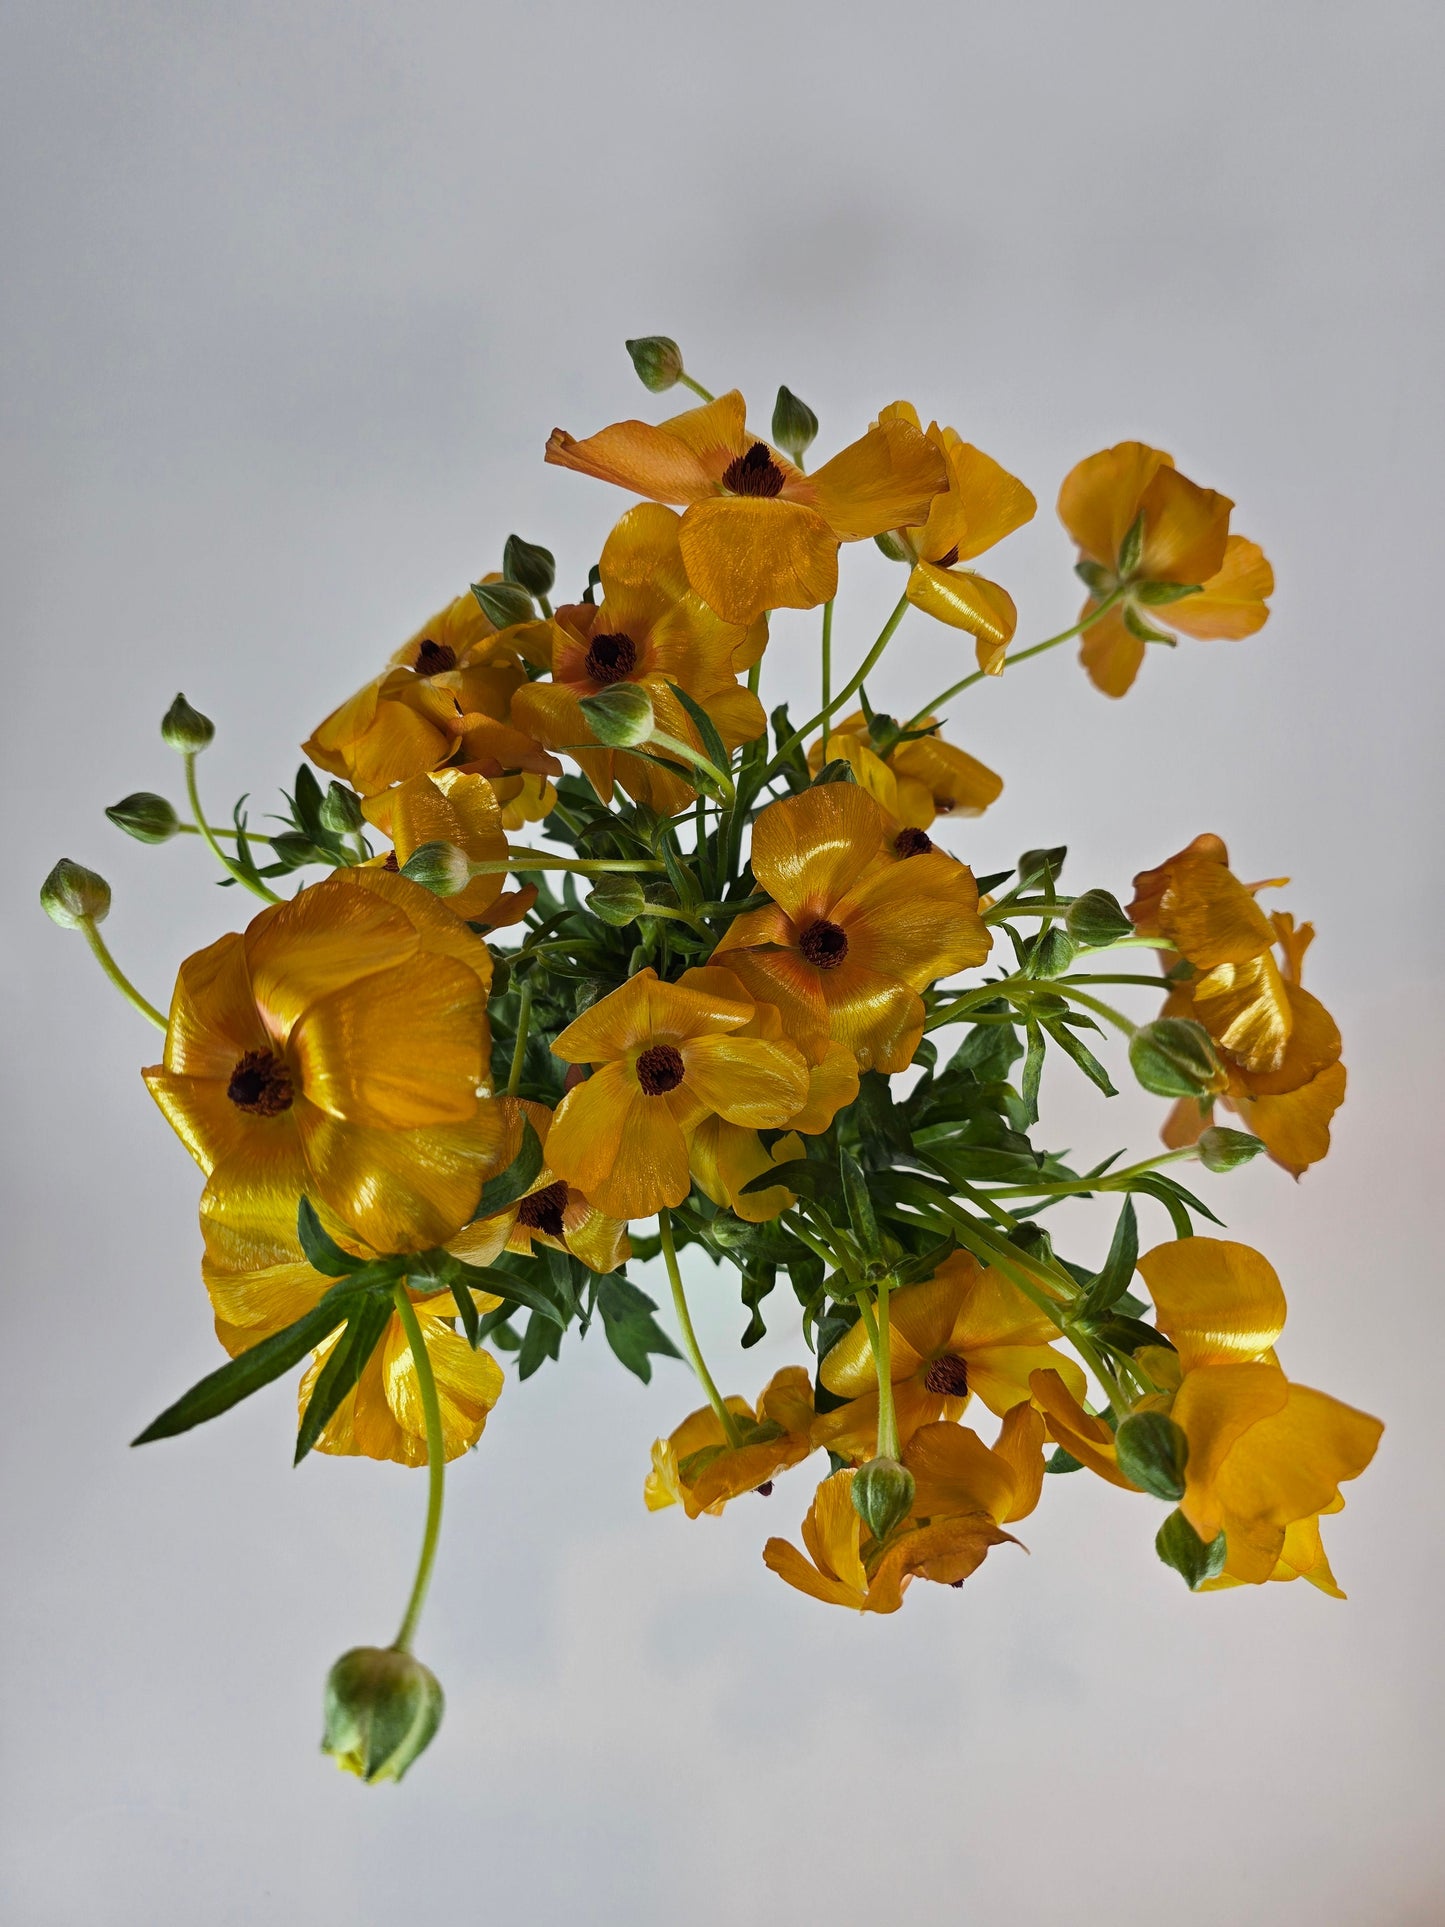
(293,295)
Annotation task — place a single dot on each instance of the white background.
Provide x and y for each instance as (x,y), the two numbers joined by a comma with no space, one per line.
(292,296)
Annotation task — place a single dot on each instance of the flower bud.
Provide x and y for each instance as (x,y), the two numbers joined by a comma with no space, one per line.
(186,729)
(341,810)
(1221,1149)
(658,361)
(146,817)
(72,895)
(503,603)
(620,716)
(382,1710)
(795,426)
(892,548)
(1180,1546)
(617,900)
(439,867)
(529,565)
(1039,869)
(1097,919)
(882,1495)
(1175,1057)
(1050,953)
(1153,1451)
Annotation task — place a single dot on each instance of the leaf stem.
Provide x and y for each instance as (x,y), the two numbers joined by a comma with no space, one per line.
(117,976)
(253,884)
(1036,649)
(850,688)
(519,1048)
(689,1336)
(436,1466)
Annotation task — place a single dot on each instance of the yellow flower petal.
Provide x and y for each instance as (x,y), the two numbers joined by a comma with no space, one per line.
(745,555)
(1232,602)
(885,480)
(967,601)
(1185,529)
(1099,498)
(1219,1302)
(1295,1126)
(1111,653)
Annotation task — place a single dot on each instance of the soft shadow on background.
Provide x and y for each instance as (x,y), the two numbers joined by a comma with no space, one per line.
(293,295)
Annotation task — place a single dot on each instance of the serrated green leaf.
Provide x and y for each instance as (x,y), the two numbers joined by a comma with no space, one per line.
(632,1331)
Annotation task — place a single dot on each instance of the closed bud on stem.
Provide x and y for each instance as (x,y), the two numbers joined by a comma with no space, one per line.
(1221,1149)
(658,361)
(439,867)
(882,1495)
(795,426)
(1096,919)
(617,900)
(1153,1451)
(1180,1546)
(72,895)
(1051,953)
(341,810)
(1039,869)
(503,603)
(383,1708)
(620,716)
(530,565)
(186,729)
(1175,1057)
(146,817)
(892,548)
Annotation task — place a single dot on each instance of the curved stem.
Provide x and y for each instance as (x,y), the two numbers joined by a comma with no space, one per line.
(827,672)
(253,884)
(436,1467)
(850,688)
(1035,649)
(696,387)
(1101,1009)
(519,1049)
(689,1336)
(117,976)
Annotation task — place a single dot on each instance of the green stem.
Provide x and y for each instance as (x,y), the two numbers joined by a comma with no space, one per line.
(1036,649)
(696,387)
(674,745)
(253,884)
(689,1336)
(850,688)
(883,1366)
(117,976)
(519,1049)
(677,915)
(545,606)
(524,859)
(1109,1181)
(827,671)
(436,1467)
(1101,1009)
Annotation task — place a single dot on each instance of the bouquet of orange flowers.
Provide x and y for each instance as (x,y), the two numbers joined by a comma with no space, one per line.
(735,992)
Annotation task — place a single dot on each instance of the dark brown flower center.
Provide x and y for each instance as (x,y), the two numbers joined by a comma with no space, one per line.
(912,843)
(659,1069)
(755,473)
(261,1085)
(611,658)
(391,862)
(434,657)
(542,1210)
(824,944)
(947,561)
(765,1490)
(947,1377)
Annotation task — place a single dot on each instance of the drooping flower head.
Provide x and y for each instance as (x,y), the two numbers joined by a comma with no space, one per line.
(552,1213)
(699,1468)
(916,781)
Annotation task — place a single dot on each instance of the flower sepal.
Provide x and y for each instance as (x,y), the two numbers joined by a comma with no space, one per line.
(382,1711)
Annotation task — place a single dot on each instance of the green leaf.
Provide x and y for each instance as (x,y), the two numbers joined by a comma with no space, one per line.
(1074,1047)
(1180,1546)
(1127,1335)
(518,1178)
(369,1319)
(1132,547)
(1118,1268)
(541,1340)
(1138,626)
(632,1331)
(323,1254)
(712,743)
(1040,868)
(523,1285)
(860,1205)
(468,1313)
(1061,1461)
(1158,595)
(1033,1067)
(756,1285)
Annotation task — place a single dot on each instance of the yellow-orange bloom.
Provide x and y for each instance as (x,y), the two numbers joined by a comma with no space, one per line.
(651,628)
(858,926)
(697,1467)
(552,1213)
(669,1058)
(757,533)
(966,1331)
(338,1049)
(452,807)
(916,781)
(1186,544)
(980,506)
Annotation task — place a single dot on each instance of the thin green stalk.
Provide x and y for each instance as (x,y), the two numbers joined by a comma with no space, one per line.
(1108,1181)
(1036,649)
(253,884)
(850,688)
(1101,1009)
(883,1366)
(117,976)
(519,1048)
(525,859)
(827,671)
(545,606)
(436,1467)
(696,387)
(689,1336)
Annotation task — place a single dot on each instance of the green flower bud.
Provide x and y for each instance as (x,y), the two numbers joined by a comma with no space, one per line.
(146,817)
(1097,919)
(439,867)
(72,895)
(892,548)
(1050,953)
(186,729)
(1175,1057)
(1221,1149)
(503,603)
(341,810)
(1180,1546)
(620,716)
(382,1710)
(617,900)
(530,565)
(795,426)
(1038,868)
(1153,1452)
(882,1495)
(658,361)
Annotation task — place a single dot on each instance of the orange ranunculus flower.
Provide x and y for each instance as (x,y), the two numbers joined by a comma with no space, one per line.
(1279,1045)
(695,1466)
(725,1157)
(259,1282)
(552,1212)
(980,506)
(444,699)
(858,926)
(651,628)
(757,533)
(338,1049)
(846,1566)
(965,1331)
(452,807)
(668,1059)
(955,1473)
(1186,545)
(915,781)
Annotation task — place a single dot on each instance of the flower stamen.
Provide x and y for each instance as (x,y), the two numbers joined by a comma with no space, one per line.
(261,1085)
(434,658)
(542,1210)
(660,1069)
(611,658)
(912,842)
(824,944)
(947,1377)
(755,473)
